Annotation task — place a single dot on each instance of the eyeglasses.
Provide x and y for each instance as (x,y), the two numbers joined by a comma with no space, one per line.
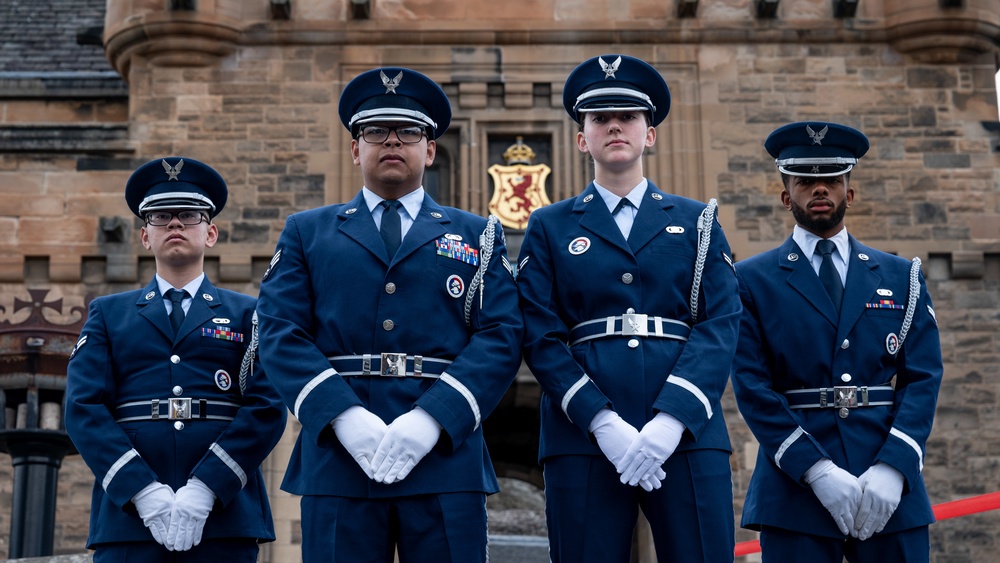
(163,218)
(376,134)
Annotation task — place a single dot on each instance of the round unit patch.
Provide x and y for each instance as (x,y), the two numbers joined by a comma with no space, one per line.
(455,286)
(892,343)
(222,380)
(579,246)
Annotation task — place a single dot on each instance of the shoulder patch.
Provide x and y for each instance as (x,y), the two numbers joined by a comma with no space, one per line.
(274,262)
(507,266)
(79,344)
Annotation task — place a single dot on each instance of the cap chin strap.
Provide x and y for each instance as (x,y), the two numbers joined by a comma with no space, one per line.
(628,92)
(176,200)
(392,114)
(784,163)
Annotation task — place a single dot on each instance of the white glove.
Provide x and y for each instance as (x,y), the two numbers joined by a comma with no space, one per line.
(881,489)
(837,490)
(614,436)
(406,442)
(153,503)
(656,442)
(192,504)
(360,431)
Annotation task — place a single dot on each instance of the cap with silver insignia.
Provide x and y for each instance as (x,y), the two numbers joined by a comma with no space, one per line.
(175,183)
(395,95)
(816,148)
(616,83)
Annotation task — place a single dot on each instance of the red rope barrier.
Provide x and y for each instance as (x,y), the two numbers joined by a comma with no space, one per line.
(942,511)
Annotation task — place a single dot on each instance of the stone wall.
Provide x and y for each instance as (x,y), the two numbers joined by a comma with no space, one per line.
(257,98)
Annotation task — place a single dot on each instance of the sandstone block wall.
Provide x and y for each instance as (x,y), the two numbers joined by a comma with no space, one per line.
(257,99)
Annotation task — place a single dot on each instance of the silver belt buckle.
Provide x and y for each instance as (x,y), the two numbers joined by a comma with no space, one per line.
(845,397)
(393,364)
(180,409)
(635,324)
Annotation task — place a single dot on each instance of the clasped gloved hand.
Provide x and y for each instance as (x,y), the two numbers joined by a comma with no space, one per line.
(614,436)
(881,489)
(407,440)
(192,504)
(837,490)
(360,431)
(154,503)
(656,442)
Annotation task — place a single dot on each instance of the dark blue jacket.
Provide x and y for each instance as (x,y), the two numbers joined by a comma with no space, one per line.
(331,291)
(792,338)
(602,275)
(127,353)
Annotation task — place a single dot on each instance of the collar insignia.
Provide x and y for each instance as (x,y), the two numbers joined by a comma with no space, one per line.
(173,171)
(817,137)
(391,85)
(609,70)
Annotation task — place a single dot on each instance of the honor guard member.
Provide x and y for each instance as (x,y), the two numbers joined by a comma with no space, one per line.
(159,401)
(390,326)
(837,372)
(631,313)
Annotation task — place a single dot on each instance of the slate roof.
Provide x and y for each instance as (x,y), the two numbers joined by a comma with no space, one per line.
(39,36)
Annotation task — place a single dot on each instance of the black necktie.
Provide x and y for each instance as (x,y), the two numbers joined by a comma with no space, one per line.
(390,230)
(177,313)
(622,204)
(828,272)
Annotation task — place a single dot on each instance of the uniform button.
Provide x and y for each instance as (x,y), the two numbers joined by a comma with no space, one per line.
(844,411)
(390,288)
(175,359)
(845,344)
(177,390)
(846,378)
(388,324)
(178,426)
(627,278)
(633,343)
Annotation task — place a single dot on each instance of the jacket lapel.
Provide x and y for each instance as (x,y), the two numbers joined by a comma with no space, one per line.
(430,224)
(803,280)
(597,219)
(862,282)
(651,219)
(201,311)
(151,308)
(356,222)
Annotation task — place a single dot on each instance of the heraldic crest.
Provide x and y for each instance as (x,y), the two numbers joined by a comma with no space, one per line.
(518,187)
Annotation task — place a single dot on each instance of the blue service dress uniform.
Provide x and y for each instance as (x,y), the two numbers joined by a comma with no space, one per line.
(126,358)
(332,303)
(793,342)
(575,266)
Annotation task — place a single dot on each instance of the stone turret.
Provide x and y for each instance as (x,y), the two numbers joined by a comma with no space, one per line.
(933,33)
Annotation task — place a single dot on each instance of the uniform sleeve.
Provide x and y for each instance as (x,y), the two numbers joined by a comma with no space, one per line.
(776,427)
(478,377)
(313,391)
(696,383)
(90,422)
(918,380)
(238,452)
(545,336)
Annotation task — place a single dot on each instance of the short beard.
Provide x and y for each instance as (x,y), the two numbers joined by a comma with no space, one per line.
(818,225)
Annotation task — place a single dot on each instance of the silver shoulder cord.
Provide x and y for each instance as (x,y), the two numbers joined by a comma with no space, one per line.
(911,302)
(485,253)
(705,221)
(246,368)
